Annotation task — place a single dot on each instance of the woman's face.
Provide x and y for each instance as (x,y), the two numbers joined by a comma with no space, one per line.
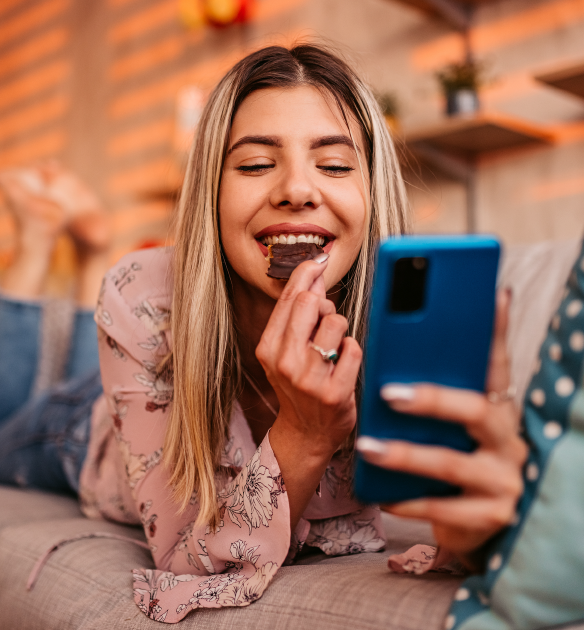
(291,170)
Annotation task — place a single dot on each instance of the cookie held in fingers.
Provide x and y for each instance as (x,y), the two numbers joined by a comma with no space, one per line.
(285,258)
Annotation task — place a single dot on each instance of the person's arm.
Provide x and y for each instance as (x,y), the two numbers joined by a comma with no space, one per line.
(198,567)
(317,398)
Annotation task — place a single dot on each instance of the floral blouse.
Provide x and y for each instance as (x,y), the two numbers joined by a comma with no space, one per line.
(123,477)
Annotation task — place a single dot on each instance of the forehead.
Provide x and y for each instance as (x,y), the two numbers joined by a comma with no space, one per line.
(298,111)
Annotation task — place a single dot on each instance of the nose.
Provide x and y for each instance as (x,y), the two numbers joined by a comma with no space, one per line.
(296,189)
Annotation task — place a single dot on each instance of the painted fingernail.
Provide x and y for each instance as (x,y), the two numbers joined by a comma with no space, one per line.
(366,444)
(321,258)
(397,393)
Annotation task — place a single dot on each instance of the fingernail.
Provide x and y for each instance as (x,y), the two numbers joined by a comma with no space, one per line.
(366,444)
(397,393)
(321,258)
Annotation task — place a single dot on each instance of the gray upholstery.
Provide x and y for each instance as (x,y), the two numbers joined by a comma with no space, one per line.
(87,584)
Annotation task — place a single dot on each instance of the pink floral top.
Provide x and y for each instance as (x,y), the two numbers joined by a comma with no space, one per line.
(123,478)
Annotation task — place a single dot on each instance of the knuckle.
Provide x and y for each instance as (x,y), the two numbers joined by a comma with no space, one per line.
(503,514)
(335,323)
(329,306)
(285,368)
(262,351)
(514,486)
(522,451)
(306,298)
(288,293)
(330,398)
(354,349)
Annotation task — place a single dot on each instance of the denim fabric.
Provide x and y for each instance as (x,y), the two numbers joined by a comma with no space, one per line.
(43,440)
(20,331)
(83,354)
(44,444)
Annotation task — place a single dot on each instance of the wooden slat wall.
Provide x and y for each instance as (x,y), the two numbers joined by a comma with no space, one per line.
(94,83)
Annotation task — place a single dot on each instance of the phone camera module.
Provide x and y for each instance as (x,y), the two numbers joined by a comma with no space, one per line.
(408,288)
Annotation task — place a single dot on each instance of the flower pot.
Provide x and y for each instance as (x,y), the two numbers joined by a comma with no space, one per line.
(462,102)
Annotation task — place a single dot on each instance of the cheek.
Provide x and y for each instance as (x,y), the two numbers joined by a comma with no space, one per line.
(350,210)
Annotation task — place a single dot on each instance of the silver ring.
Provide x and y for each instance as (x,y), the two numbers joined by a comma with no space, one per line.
(330,356)
(504,396)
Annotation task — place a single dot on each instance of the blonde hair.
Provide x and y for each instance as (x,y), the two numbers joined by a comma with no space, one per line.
(205,359)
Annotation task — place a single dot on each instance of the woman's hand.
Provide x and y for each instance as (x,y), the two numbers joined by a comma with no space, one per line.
(490,477)
(317,398)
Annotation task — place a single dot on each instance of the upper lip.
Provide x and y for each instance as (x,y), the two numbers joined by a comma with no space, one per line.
(293,228)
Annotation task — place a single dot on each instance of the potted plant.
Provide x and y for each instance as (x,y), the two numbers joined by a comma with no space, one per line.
(389,108)
(460,83)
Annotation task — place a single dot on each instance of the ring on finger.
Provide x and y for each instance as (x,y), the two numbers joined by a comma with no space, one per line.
(329,356)
(504,396)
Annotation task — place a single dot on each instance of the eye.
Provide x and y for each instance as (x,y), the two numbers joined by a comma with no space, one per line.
(336,170)
(254,168)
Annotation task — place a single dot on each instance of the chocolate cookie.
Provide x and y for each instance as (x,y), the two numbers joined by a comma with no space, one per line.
(284,259)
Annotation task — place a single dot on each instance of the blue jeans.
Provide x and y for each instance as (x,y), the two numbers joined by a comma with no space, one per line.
(44,438)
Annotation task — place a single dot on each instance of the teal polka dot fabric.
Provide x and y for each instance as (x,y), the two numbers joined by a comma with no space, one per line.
(535,568)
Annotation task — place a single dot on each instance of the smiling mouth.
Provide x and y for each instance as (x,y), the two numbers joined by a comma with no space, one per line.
(292,239)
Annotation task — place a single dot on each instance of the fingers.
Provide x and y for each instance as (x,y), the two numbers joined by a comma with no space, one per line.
(302,279)
(475,513)
(347,368)
(482,473)
(307,311)
(499,374)
(488,424)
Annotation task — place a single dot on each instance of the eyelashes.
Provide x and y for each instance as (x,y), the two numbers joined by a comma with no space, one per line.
(336,169)
(255,168)
(258,168)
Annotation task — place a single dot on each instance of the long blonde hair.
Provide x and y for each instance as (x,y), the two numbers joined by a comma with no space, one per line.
(205,359)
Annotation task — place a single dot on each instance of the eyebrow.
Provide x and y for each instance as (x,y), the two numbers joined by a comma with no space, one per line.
(268,141)
(272,141)
(327,141)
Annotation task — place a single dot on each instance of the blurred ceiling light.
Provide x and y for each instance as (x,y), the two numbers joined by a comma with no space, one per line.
(218,13)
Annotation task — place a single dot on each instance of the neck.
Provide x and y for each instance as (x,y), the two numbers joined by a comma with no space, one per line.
(252,309)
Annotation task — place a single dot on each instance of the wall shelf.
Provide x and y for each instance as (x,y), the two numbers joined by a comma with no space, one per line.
(569,79)
(453,146)
(469,136)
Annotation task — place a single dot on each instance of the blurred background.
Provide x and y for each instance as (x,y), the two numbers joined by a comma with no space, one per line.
(484,97)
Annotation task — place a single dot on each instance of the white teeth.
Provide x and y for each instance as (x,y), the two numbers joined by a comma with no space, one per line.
(292,239)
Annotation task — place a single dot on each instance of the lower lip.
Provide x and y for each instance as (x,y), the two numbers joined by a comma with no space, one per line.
(327,248)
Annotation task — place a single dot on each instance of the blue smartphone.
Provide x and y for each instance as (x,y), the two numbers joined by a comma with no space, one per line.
(430,320)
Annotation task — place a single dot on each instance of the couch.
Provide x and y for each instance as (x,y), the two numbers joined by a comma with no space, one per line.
(87,584)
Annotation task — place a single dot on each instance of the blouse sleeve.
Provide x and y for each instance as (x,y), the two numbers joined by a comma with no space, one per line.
(230,565)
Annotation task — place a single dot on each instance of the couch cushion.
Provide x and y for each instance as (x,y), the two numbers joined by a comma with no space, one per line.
(87,584)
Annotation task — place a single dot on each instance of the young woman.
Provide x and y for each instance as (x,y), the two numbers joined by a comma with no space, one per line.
(232,429)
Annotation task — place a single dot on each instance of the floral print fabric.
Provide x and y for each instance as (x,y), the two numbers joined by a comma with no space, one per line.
(232,564)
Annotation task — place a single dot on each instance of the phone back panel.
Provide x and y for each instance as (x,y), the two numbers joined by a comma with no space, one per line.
(446,341)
